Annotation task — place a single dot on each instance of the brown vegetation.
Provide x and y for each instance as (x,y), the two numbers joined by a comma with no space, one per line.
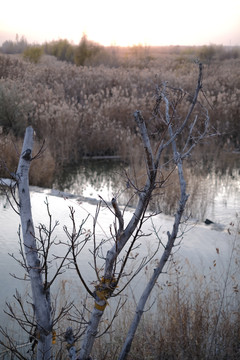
(83,111)
(193,314)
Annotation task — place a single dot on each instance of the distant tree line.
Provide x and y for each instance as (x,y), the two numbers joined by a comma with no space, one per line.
(62,49)
(14,47)
(88,52)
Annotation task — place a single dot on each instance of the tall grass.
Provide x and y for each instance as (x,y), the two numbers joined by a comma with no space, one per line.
(193,314)
(88,110)
(42,171)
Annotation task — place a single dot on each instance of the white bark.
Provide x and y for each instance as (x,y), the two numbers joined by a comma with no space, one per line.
(158,270)
(171,237)
(123,236)
(69,338)
(90,334)
(112,254)
(41,299)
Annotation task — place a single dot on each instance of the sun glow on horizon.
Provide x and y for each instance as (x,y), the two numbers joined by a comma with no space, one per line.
(127,23)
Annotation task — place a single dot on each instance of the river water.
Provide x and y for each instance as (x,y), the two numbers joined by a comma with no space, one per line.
(216,197)
(214,187)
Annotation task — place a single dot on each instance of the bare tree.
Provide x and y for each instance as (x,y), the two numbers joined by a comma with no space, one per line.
(178,135)
(178,158)
(34,251)
(40,291)
(168,131)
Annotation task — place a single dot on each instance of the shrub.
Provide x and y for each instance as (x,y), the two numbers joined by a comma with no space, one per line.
(61,49)
(86,51)
(33,54)
(220,52)
(206,53)
(14,108)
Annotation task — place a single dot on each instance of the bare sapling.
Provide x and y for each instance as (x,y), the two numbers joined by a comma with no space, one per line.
(178,159)
(168,133)
(40,291)
(35,259)
(178,136)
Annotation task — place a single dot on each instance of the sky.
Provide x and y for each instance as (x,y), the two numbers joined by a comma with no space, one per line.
(123,22)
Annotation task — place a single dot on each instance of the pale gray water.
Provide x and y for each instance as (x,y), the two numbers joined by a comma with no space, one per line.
(214,191)
(59,208)
(198,247)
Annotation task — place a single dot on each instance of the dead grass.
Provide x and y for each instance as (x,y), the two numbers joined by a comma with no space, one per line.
(192,314)
(42,171)
(88,110)
(185,324)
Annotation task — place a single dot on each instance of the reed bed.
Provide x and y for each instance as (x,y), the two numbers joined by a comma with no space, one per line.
(86,111)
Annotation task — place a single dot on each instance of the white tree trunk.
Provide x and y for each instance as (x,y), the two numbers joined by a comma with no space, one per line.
(152,160)
(158,270)
(41,300)
(171,238)
(108,272)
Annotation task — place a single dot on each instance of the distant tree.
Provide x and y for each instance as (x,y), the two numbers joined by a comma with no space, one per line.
(206,53)
(62,49)
(8,47)
(33,54)
(14,47)
(86,51)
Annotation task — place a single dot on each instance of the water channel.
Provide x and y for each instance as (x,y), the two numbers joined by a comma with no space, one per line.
(215,195)
(214,187)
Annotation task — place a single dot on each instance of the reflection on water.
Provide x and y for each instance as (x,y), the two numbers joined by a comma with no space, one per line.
(92,178)
(213,185)
(214,194)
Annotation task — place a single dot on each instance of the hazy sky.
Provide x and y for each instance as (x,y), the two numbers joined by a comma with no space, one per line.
(123,22)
